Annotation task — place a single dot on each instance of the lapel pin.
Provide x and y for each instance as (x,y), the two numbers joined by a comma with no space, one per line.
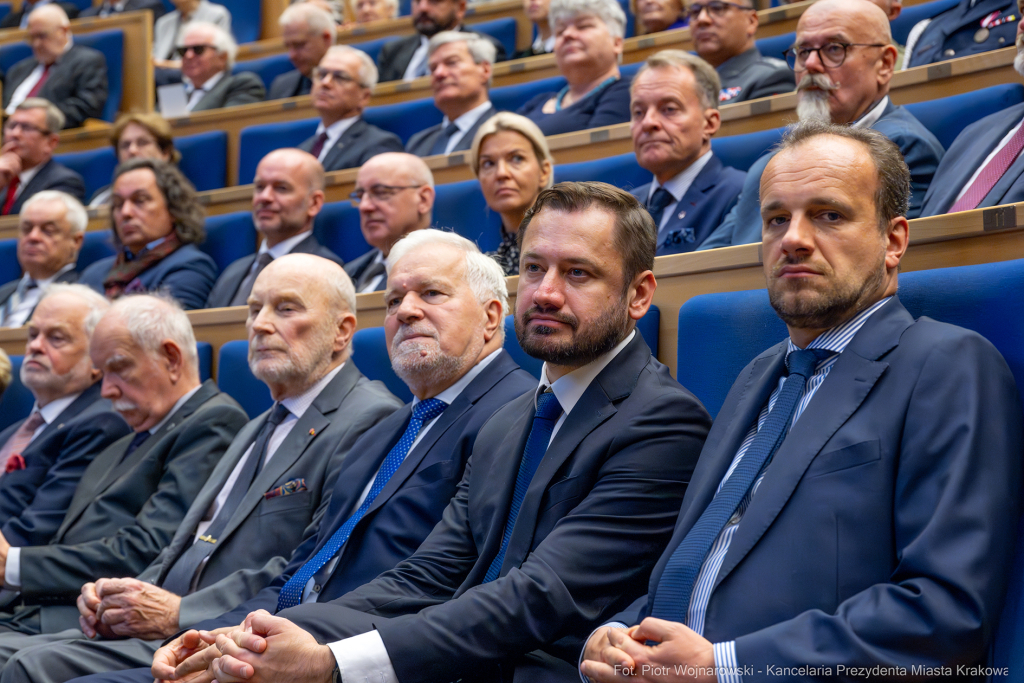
(312,432)
(682,215)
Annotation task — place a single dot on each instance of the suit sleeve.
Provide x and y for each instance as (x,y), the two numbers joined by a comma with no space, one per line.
(90,93)
(385,61)
(613,106)
(191,283)
(71,183)
(246,89)
(742,225)
(387,142)
(776,81)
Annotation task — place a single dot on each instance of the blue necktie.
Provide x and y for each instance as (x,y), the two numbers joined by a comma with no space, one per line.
(658,203)
(544,421)
(424,411)
(135,443)
(672,597)
(441,143)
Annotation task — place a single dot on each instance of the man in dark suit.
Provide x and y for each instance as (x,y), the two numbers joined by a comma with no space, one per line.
(723,34)
(674,100)
(109,8)
(73,77)
(854,92)
(566,503)
(207,54)
(134,494)
(890,508)
(19,18)
(50,230)
(288,193)
(968,29)
(26,158)
(406,58)
(342,85)
(460,74)
(308,31)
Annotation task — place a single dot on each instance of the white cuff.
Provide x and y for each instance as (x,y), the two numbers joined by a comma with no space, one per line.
(725,662)
(12,569)
(612,624)
(363,658)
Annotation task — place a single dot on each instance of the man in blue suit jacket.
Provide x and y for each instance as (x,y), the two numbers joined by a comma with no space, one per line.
(675,113)
(881,531)
(855,93)
(972,27)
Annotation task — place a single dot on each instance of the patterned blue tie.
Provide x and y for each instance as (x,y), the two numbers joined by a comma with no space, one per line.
(672,597)
(544,421)
(424,411)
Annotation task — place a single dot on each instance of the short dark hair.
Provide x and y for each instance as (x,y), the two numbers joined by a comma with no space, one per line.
(892,198)
(635,232)
(182,201)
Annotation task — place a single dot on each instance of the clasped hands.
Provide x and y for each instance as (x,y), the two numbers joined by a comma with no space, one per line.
(127,608)
(675,653)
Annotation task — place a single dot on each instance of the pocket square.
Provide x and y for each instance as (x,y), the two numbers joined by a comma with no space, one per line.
(15,462)
(287,489)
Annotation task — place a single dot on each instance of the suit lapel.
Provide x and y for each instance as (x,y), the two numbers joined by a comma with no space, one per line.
(336,157)
(87,398)
(687,209)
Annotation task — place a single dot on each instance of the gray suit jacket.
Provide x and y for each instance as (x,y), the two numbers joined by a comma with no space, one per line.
(231,91)
(356,145)
(751,75)
(422,142)
(289,84)
(77,83)
(8,288)
(263,531)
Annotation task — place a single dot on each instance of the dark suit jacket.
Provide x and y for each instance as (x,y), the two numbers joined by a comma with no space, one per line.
(395,56)
(77,84)
(952,34)
(422,142)
(262,533)
(593,521)
(751,75)
(187,274)
(609,106)
(231,91)
(967,153)
(921,150)
(356,145)
(229,281)
(289,84)
(355,267)
(13,20)
(52,176)
(33,501)
(154,6)
(709,198)
(125,511)
(889,510)
(8,288)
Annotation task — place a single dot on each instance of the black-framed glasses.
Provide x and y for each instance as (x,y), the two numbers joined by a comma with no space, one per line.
(336,76)
(379,193)
(715,8)
(10,125)
(831,55)
(198,50)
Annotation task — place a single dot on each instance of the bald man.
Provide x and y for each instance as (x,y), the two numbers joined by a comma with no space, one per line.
(287,196)
(853,93)
(395,195)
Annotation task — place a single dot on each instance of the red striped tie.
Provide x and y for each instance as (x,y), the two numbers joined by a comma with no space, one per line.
(991,174)
(42,81)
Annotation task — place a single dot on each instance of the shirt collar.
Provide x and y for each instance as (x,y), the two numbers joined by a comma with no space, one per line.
(338,128)
(298,405)
(285,247)
(569,388)
(26,176)
(467,120)
(54,408)
(46,282)
(680,184)
(872,115)
(840,336)
(210,83)
(451,393)
(151,245)
(180,402)
(541,45)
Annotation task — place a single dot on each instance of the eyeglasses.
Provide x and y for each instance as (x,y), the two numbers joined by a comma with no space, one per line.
(379,193)
(336,76)
(10,126)
(832,55)
(198,50)
(716,8)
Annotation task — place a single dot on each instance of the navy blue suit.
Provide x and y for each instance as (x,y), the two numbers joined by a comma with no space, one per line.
(187,274)
(52,175)
(711,194)
(607,107)
(954,33)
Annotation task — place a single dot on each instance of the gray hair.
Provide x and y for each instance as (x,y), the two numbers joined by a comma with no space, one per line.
(152,319)
(481,49)
(223,41)
(339,288)
(506,120)
(90,298)
(54,117)
(75,213)
(708,82)
(483,273)
(367,69)
(316,18)
(608,11)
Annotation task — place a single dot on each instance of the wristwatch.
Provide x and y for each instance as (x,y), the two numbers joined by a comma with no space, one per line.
(336,674)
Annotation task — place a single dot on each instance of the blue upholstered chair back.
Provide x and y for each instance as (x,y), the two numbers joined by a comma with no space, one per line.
(337,228)
(236,380)
(255,142)
(370,353)
(946,117)
(111,44)
(16,403)
(229,237)
(267,68)
(461,207)
(405,119)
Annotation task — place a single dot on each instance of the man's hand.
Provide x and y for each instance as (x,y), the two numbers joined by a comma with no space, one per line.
(88,602)
(134,609)
(10,164)
(269,649)
(678,654)
(187,657)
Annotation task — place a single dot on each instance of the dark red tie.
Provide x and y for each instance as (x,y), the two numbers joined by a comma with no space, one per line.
(318,144)
(991,174)
(12,191)
(42,81)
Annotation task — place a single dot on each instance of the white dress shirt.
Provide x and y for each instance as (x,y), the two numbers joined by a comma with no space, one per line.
(372,285)
(418,58)
(25,87)
(198,93)
(464,123)
(872,115)
(678,187)
(20,314)
(334,133)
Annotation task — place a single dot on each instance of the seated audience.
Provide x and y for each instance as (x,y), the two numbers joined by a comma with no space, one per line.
(168,32)
(19,17)
(460,74)
(336,8)
(395,196)
(133,495)
(366,11)
(511,159)
(675,115)
(844,60)
(207,55)
(544,40)
(157,221)
(44,456)
(723,35)
(26,158)
(108,8)
(50,230)
(406,58)
(287,195)
(661,15)
(73,77)
(879,531)
(307,31)
(138,135)
(342,85)
(967,29)
(588,46)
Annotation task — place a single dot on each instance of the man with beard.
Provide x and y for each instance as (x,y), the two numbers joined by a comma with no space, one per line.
(406,58)
(569,497)
(843,59)
(879,530)
(270,486)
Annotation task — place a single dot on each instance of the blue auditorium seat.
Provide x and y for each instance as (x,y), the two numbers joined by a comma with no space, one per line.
(740,151)
(405,119)
(337,228)
(246,18)
(9,267)
(267,68)
(96,245)
(372,47)
(204,159)
(504,30)
(17,401)
(620,170)
(946,117)
(511,97)
(627,71)
(236,380)
(96,166)
(255,142)
(774,46)
(111,44)
(370,353)
(12,53)
(902,25)
(81,4)
(461,207)
(205,352)
(229,237)
(5,9)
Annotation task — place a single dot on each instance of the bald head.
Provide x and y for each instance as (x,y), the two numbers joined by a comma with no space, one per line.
(385,215)
(48,33)
(52,15)
(287,194)
(864,20)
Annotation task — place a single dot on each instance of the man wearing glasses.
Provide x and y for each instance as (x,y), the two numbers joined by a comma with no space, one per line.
(207,54)
(342,85)
(395,196)
(723,33)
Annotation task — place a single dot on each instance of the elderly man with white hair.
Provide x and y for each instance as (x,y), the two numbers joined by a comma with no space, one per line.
(308,30)
(207,54)
(170,28)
